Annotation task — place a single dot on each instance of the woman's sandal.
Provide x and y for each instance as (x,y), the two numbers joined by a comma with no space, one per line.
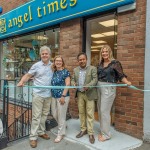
(102,138)
(58,138)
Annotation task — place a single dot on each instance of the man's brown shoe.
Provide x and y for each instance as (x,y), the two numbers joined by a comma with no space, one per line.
(45,136)
(91,139)
(81,134)
(33,143)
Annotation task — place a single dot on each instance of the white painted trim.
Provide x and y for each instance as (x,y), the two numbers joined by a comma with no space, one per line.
(126,8)
(88,42)
(146,122)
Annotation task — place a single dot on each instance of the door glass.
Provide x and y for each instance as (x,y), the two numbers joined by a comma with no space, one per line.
(99,32)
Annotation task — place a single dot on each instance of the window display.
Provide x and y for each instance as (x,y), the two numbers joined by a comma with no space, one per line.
(19,54)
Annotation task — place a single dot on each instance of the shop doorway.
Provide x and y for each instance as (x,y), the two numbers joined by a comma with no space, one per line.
(100,31)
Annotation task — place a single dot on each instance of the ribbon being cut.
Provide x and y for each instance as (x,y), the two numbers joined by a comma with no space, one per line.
(77,87)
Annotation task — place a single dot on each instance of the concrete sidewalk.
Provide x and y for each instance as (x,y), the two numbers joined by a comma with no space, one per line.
(119,140)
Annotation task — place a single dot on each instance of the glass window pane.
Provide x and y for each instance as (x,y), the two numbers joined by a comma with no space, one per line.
(19,54)
(100,31)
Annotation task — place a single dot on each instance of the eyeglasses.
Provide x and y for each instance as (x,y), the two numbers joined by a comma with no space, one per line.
(58,60)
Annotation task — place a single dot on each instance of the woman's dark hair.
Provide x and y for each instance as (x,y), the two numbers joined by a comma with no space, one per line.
(82,53)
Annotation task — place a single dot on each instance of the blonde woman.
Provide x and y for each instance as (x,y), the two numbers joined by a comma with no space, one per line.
(60,97)
(109,71)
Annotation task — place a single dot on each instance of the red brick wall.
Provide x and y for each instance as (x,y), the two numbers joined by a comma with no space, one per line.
(70,46)
(131,50)
(8,5)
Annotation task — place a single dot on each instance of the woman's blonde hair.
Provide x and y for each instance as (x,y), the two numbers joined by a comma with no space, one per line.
(54,66)
(109,50)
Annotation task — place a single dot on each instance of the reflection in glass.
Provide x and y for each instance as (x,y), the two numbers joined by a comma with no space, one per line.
(19,54)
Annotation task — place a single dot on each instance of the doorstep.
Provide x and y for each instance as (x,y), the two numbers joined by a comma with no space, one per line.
(119,141)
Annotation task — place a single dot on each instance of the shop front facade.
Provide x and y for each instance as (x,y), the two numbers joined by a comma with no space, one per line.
(72,26)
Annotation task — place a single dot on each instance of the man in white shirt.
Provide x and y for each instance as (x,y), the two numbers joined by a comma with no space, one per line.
(42,74)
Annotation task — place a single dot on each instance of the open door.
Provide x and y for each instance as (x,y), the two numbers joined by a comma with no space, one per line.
(100,31)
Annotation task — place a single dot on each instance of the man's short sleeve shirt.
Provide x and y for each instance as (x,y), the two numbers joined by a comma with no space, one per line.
(42,77)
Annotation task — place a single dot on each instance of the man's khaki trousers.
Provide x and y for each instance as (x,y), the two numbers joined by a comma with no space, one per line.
(40,110)
(86,112)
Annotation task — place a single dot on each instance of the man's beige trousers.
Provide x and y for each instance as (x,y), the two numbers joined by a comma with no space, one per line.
(86,112)
(40,110)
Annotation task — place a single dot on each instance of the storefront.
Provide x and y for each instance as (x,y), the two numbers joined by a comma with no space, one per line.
(71,26)
(39,22)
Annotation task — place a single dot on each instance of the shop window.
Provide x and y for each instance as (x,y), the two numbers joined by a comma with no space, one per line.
(100,31)
(19,54)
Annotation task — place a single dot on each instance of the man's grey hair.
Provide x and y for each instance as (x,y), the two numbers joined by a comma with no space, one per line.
(43,48)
